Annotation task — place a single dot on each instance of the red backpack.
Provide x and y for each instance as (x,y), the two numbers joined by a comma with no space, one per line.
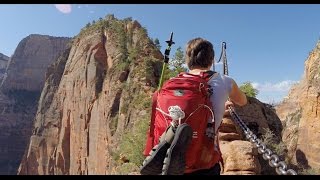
(191,93)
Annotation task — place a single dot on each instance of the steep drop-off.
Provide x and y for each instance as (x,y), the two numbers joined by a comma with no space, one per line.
(300,114)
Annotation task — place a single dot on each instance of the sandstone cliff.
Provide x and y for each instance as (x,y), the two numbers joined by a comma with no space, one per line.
(20,93)
(300,115)
(30,60)
(94,108)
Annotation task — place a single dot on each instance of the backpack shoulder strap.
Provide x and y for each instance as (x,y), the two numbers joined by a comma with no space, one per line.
(205,75)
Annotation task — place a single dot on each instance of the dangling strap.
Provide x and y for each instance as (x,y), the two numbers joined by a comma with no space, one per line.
(150,133)
(153,113)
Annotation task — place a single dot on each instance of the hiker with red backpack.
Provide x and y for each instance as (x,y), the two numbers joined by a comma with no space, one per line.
(186,114)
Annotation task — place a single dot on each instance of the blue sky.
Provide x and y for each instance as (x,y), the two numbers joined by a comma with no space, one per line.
(266,44)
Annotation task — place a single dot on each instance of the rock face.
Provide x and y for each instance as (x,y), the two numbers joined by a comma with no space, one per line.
(30,60)
(300,114)
(239,155)
(3,61)
(3,65)
(93,98)
(20,93)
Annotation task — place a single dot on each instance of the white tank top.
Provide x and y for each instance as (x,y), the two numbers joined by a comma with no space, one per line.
(221,86)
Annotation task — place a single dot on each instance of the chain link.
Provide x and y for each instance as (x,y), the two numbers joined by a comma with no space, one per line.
(267,154)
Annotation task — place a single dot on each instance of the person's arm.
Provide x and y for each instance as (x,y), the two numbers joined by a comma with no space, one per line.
(236,95)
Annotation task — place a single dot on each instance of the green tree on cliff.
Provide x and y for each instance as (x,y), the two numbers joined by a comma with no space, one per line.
(177,63)
(248,89)
(157,43)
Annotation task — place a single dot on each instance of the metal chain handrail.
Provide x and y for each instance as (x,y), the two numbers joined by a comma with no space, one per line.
(267,154)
